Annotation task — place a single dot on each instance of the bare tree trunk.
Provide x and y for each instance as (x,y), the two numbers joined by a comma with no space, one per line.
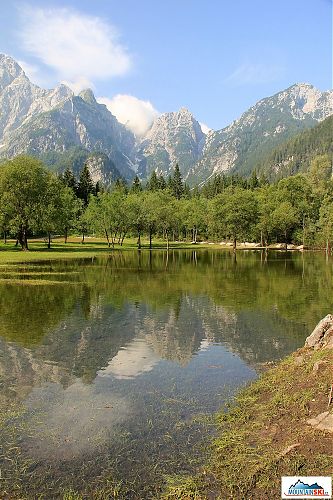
(286,244)
(5,236)
(82,237)
(139,239)
(66,234)
(112,239)
(107,238)
(49,240)
(24,239)
(234,245)
(261,239)
(122,239)
(150,238)
(167,238)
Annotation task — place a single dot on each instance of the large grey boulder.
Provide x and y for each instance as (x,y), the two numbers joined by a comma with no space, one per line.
(322,335)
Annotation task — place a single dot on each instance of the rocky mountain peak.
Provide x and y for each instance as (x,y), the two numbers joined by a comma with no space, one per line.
(174,137)
(9,71)
(261,128)
(87,95)
(169,123)
(303,100)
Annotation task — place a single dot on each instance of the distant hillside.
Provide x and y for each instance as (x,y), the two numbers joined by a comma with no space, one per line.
(295,155)
(239,147)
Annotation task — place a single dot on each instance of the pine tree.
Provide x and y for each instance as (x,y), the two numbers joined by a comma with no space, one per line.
(136,185)
(153,182)
(68,179)
(187,191)
(85,186)
(177,183)
(161,182)
(169,184)
(98,188)
(253,181)
(120,185)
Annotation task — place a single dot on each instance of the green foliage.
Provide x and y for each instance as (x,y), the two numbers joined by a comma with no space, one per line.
(176,183)
(24,194)
(85,185)
(68,179)
(136,185)
(234,213)
(326,221)
(153,182)
(294,210)
(297,154)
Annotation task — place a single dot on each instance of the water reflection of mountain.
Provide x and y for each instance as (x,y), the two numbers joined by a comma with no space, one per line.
(135,309)
(128,342)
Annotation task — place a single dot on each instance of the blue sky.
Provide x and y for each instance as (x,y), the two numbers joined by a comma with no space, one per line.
(216,58)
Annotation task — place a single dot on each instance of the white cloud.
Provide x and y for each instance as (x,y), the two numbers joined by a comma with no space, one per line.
(204,128)
(80,48)
(79,84)
(254,73)
(134,113)
(137,358)
(29,69)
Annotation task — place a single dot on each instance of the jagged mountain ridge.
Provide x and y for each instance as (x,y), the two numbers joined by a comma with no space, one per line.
(38,121)
(238,147)
(75,122)
(174,137)
(20,99)
(52,123)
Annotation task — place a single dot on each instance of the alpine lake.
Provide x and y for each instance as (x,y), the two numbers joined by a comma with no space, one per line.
(111,368)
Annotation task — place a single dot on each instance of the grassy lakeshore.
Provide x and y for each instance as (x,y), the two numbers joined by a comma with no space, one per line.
(92,246)
(264,435)
(74,248)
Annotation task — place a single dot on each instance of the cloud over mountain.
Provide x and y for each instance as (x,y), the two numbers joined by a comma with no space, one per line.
(78,47)
(134,113)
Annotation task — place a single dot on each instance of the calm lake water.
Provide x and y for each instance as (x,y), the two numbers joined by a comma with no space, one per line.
(110,365)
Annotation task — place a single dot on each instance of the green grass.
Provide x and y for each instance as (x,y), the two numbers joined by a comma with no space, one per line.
(249,455)
(75,249)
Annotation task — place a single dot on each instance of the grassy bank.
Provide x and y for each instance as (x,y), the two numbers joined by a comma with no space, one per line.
(92,246)
(265,434)
(75,249)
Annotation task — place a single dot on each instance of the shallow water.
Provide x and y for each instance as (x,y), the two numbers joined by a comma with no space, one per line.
(116,360)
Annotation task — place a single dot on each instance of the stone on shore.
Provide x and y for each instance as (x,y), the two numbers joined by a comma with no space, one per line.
(323,422)
(322,335)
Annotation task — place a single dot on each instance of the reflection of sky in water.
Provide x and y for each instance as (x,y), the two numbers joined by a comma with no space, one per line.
(132,360)
(73,421)
(135,386)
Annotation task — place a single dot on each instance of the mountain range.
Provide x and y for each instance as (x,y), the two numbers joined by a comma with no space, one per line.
(65,129)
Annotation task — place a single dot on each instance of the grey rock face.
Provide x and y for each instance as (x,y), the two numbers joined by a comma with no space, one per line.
(102,169)
(322,334)
(38,121)
(173,138)
(272,120)
(20,99)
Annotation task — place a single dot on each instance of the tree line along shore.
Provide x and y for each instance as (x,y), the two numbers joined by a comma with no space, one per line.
(296,210)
